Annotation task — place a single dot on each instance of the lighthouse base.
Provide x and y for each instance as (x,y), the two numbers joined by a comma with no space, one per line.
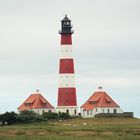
(71,110)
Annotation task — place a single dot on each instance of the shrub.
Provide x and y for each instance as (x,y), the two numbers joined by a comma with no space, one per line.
(9,117)
(64,116)
(50,116)
(28,117)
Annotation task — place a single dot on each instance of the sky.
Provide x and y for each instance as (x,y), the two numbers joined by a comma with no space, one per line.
(106,50)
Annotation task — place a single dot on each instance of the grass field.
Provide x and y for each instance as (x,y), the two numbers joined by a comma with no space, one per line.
(75,129)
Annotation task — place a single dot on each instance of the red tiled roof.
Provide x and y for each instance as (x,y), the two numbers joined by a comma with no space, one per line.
(99,99)
(35,101)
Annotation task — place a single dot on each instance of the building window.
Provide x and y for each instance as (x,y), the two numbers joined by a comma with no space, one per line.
(92,102)
(43,111)
(84,112)
(90,112)
(27,104)
(49,111)
(115,111)
(103,110)
(87,112)
(96,110)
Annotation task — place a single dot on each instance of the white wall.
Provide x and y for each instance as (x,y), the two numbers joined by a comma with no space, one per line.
(92,113)
(40,111)
(70,108)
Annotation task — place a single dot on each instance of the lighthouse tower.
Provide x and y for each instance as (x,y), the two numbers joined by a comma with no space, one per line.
(66,92)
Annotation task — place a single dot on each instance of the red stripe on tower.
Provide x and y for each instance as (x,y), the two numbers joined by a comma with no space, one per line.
(66,92)
(66,66)
(66,39)
(69,94)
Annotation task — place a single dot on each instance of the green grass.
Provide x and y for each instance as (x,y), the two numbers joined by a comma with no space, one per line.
(74,129)
(129,137)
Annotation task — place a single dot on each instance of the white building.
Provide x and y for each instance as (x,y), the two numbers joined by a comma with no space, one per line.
(99,102)
(37,103)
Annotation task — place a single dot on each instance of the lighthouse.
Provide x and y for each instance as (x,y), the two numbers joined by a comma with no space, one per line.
(67,101)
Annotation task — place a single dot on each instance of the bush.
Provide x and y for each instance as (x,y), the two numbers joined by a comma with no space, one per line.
(64,116)
(28,117)
(9,117)
(50,116)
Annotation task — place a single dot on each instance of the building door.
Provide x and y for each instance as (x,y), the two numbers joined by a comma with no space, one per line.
(107,110)
(115,111)
(75,112)
(67,111)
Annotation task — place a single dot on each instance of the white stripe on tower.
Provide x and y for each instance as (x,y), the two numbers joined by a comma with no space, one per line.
(66,80)
(66,51)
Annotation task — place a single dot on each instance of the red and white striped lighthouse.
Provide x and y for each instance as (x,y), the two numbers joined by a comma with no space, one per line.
(66,92)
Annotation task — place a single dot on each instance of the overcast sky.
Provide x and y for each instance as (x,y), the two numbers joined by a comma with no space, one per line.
(106,48)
